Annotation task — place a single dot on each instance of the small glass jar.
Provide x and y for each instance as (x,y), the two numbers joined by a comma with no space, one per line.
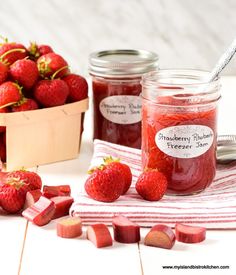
(179,119)
(116,76)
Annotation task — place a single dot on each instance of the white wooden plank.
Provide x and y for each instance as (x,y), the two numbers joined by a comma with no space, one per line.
(216,250)
(12,235)
(45,253)
(12,231)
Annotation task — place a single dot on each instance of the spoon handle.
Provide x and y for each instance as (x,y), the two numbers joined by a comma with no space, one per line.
(223,61)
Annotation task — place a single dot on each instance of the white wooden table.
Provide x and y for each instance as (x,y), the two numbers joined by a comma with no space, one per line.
(30,250)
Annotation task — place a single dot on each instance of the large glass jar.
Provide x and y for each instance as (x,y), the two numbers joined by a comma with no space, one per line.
(116,76)
(179,120)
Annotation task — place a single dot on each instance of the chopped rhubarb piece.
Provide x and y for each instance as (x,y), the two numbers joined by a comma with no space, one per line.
(54,191)
(41,212)
(125,231)
(160,236)
(31,197)
(99,235)
(62,205)
(69,227)
(190,234)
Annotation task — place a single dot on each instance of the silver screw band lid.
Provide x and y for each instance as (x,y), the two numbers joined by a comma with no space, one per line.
(122,63)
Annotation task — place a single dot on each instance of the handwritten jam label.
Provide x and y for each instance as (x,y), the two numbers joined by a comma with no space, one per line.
(121,109)
(185,141)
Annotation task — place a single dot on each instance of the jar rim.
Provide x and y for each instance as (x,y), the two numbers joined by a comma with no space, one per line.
(180,87)
(156,78)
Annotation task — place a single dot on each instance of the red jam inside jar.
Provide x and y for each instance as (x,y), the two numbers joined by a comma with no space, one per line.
(116,77)
(179,119)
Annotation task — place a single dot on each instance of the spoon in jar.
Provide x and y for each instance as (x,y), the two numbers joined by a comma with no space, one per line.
(222,62)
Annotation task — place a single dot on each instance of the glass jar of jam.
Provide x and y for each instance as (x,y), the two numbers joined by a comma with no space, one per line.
(116,76)
(179,128)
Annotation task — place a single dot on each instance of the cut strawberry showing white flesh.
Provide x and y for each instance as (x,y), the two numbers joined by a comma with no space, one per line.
(53,191)
(190,234)
(160,236)
(99,235)
(69,227)
(41,212)
(62,205)
(125,231)
(32,197)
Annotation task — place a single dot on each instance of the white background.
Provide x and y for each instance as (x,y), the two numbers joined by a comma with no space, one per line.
(185,33)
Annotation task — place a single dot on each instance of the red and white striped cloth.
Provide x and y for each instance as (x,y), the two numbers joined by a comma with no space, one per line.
(213,208)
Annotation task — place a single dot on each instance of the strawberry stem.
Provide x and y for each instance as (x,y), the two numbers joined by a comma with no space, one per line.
(100,167)
(58,71)
(5,39)
(110,159)
(8,104)
(16,182)
(11,51)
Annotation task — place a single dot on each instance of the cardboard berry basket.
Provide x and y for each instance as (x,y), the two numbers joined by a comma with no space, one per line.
(43,136)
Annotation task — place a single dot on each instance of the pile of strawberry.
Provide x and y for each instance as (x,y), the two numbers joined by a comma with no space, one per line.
(113,178)
(35,77)
(21,191)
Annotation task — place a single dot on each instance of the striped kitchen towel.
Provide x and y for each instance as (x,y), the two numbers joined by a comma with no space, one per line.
(213,208)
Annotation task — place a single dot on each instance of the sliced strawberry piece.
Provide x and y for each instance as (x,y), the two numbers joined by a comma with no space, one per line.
(62,205)
(125,231)
(32,197)
(41,212)
(190,234)
(54,191)
(160,236)
(69,228)
(99,235)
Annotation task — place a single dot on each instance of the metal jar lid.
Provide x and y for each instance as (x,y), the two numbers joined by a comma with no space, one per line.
(122,63)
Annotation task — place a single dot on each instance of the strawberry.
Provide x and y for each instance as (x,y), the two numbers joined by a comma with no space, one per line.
(10,52)
(78,87)
(26,104)
(124,170)
(51,93)
(10,93)
(3,72)
(104,184)
(36,50)
(3,110)
(3,153)
(50,63)
(25,72)
(3,176)
(151,185)
(12,195)
(44,49)
(31,179)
